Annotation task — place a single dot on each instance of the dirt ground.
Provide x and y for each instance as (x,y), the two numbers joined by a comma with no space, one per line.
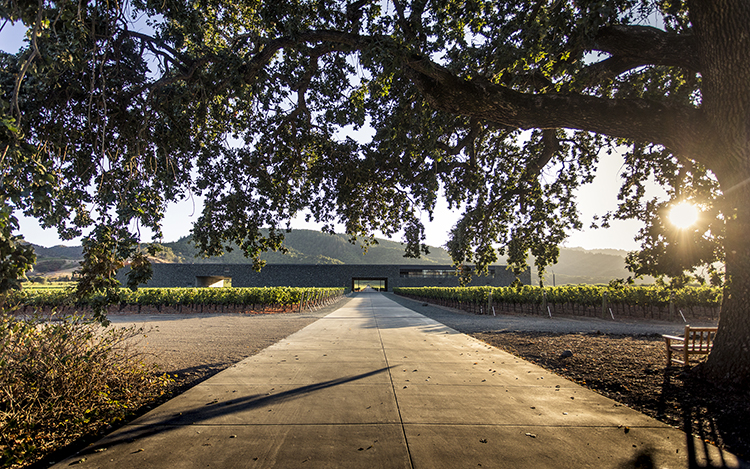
(631,369)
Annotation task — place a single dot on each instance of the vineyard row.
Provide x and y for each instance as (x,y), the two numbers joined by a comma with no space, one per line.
(649,302)
(180,299)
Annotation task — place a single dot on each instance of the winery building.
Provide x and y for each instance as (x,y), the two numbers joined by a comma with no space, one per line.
(383,277)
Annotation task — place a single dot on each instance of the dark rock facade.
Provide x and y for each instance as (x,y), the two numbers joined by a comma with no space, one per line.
(289,275)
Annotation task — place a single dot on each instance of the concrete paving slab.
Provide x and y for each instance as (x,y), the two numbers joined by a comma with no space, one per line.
(448,373)
(250,446)
(461,356)
(371,356)
(486,405)
(330,402)
(300,373)
(377,385)
(446,446)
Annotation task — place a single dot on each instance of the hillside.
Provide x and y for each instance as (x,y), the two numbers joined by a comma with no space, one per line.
(314,247)
(576,265)
(62,259)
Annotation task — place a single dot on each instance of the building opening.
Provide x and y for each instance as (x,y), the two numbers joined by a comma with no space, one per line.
(213,281)
(379,284)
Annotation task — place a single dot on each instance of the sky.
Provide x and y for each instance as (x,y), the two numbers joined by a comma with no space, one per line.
(594,199)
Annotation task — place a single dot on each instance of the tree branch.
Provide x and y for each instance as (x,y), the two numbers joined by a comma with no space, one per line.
(304,85)
(405,26)
(682,129)
(467,141)
(679,128)
(635,46)
(15,109)
(346,42)
(551,146)
(354,12)
(153,43)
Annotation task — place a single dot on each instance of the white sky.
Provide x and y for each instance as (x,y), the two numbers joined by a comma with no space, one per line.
(595,198)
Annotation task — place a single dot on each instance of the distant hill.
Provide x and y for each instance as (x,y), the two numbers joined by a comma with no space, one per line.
(57,259)
(576,265)
(315,247)
(59,252)
(582,266)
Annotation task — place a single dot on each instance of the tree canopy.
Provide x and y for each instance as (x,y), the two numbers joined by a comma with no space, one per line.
(115,109)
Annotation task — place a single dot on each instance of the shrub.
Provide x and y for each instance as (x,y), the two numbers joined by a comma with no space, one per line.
(64,378)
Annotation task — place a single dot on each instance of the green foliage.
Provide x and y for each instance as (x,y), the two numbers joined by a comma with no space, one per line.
(269,296)
(586,295)
(61,378)
(16,258)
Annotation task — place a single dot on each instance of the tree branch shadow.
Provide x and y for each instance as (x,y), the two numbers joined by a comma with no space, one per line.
(214,410)
(701,419)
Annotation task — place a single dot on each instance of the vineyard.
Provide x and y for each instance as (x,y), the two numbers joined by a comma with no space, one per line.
(649,302)
(181,300)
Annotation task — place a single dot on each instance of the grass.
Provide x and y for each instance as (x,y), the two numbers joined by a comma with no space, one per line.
(62,379)
(48,286)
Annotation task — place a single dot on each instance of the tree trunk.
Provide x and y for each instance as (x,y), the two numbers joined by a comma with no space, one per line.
(729,361)
(722,29)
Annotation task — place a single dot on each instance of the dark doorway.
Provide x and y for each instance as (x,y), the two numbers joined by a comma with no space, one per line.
(379,284)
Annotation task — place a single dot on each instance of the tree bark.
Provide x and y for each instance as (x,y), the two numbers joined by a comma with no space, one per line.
(682,129)
(722,29)
(729,361)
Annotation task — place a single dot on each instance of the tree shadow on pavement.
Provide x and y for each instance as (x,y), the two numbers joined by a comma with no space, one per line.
(217,409)
(708,417)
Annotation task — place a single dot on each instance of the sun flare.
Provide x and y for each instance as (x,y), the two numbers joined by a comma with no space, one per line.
(683,215)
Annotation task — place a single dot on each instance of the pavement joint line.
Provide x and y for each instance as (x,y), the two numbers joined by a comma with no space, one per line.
(299,424)
(400,424)
(393,389)
(516,425)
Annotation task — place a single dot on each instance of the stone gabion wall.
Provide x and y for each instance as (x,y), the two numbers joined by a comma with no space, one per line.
(289,275)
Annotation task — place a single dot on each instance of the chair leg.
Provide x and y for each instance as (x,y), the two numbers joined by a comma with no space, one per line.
(687,356)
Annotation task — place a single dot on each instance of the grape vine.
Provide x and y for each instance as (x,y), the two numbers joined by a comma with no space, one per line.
(582,300)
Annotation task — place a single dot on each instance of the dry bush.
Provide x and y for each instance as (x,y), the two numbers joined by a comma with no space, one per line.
(64,378)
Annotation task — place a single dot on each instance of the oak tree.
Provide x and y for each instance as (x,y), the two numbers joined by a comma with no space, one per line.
(115,109)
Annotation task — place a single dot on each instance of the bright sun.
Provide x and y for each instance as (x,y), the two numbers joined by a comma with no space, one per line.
(683,215)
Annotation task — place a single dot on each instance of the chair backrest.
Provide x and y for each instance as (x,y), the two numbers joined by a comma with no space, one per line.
(699,337)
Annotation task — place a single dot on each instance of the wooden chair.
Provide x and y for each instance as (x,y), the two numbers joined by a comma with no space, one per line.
(697,341)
